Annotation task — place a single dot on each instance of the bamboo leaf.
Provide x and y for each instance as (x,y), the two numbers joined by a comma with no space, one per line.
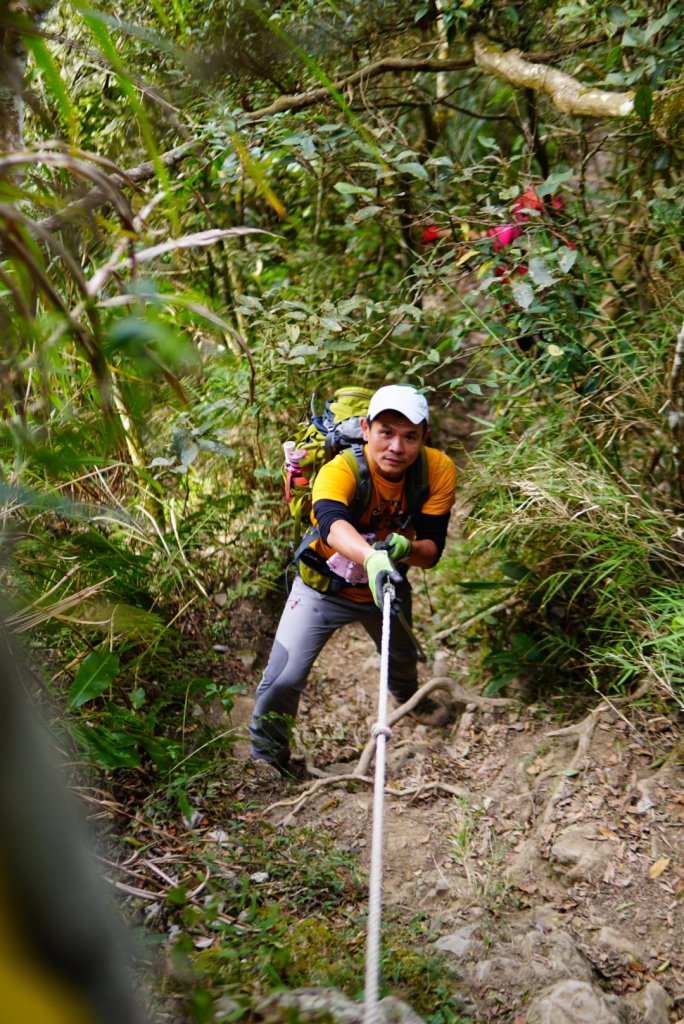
(97,671)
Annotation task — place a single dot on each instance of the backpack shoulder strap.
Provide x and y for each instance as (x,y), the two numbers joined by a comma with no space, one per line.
(355,457)
(417,485)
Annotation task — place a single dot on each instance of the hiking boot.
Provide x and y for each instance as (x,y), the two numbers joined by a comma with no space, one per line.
(264,772)
(431,712)
(296,771)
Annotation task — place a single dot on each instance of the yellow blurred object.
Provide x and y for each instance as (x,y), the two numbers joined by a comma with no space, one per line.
(31,993)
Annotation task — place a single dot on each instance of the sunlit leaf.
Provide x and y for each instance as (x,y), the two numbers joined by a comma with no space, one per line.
(413,168)
(347,189)
(539,272)
(96,673)
(566,258)
(523,293)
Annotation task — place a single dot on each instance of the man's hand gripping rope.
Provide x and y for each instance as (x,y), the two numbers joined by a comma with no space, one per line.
(381,572)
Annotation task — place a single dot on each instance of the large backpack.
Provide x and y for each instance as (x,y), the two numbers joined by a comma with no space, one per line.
(317,440)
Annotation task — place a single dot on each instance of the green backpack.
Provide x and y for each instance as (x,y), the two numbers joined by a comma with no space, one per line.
(315,442)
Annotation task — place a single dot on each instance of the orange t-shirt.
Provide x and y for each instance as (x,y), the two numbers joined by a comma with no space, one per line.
(335,481)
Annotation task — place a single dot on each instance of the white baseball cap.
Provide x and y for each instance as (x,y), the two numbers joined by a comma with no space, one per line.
(399,398)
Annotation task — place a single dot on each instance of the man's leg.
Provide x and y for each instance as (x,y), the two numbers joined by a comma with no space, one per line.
(402,679)
(307,621)
(403,656)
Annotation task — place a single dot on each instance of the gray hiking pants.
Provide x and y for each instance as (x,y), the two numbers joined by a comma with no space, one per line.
(308,620)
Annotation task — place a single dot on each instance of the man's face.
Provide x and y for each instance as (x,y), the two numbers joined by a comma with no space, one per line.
(393,443)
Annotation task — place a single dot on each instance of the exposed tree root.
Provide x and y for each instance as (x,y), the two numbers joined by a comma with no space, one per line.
(360,772)
(584,730)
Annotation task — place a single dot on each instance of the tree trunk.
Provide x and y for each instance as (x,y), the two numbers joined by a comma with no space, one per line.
(16,16)
(12,68)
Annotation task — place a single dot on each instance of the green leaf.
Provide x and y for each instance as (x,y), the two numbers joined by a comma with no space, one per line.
(474,389)
(618,17)
(52,76)
(632,37)
(177,896)
(667,19)
(524,646)
(553,183)
(366,212)
(108,749)
(566,258)
(499,683)
(414,168)
(93,677)
(138,698)
(516,570)
(345,189)
(643,102)
(188,454)
(523,293)
(330,324)
(539,272)
(303,350)
(216,447)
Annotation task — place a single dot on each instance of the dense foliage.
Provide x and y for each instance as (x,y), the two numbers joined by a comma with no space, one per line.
(210,212)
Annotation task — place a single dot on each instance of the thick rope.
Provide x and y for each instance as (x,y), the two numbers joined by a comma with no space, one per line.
(381,733)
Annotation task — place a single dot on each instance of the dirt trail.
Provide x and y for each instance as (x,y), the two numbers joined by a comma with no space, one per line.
(542,855)
(546,856)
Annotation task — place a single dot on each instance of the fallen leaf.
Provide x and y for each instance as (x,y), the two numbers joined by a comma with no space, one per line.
(608,833)
(656,869)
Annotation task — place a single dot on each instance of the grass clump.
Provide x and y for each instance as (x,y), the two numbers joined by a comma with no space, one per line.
(284,910)
(569,576)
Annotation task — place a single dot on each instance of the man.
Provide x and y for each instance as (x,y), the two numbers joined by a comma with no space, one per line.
(394,431)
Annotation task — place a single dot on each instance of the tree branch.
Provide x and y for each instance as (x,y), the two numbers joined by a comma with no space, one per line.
(302,100)
(569,95)
(133,176)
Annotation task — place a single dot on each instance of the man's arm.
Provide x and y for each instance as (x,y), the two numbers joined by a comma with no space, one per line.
(424,554)
(431,534)
(344,538)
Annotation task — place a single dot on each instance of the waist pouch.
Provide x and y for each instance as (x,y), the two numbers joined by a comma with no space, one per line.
(317,574)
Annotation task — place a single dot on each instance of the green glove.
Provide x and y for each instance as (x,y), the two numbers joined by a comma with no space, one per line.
(380,571)
(399,548)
